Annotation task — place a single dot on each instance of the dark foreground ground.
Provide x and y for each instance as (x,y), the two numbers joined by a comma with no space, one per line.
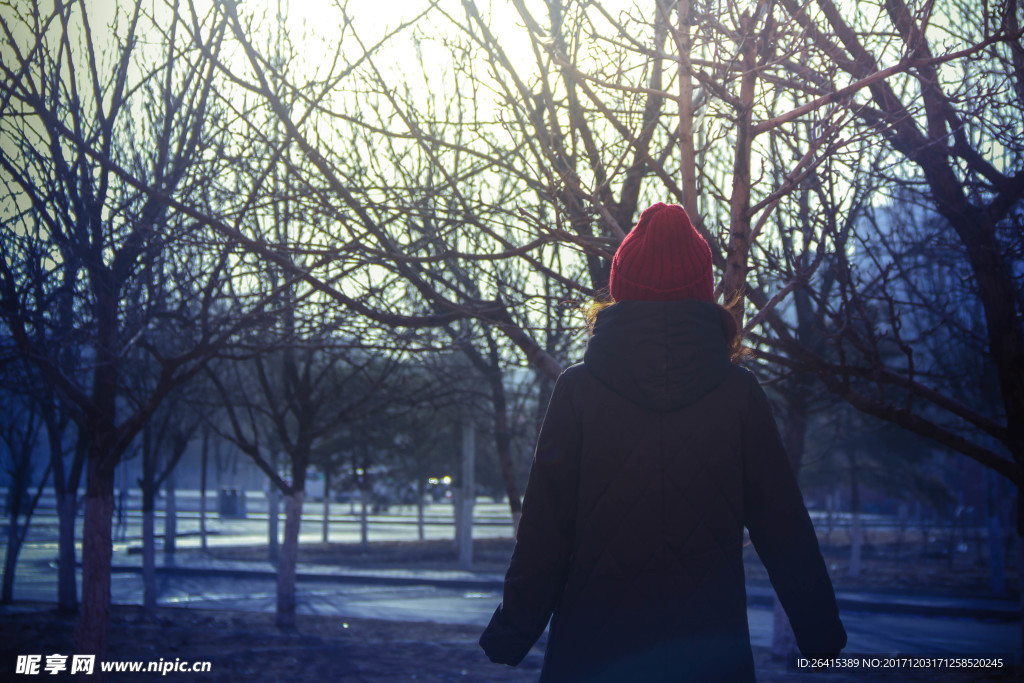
(244,646)
(247,647)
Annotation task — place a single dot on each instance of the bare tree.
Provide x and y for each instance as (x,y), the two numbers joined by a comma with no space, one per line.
(19,434)
(88,122)
(947,168)
(289,399)
(168,433)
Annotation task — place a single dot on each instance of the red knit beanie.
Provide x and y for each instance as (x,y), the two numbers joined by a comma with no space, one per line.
(663,258)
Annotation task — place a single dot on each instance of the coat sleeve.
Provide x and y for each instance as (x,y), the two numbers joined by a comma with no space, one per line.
(539,566)
(783,535)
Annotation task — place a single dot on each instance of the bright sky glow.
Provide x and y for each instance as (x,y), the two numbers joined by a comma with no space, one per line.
(420,65)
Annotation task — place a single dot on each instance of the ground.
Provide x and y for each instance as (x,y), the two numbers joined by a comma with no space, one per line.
(246,646)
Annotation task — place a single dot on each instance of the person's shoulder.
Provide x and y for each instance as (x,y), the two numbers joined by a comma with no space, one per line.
(574,381)
(739,376)
(574,373)
(745,375)
(742,385)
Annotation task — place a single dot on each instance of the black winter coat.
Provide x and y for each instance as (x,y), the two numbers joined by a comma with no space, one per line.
(654,454)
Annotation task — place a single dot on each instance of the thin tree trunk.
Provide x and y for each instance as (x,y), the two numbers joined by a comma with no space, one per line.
(67,572)
(456,515)
(687,153)
(327,508)
(202,490)
(364,522)
(503,442)
(996,559)
(273,501)
(421,529)
(65,487)
(285,617)
(491,368)
(13,548)
(122,504)
(468,495)
(170,519)
(734,279)
(148,550)
(149,596)
(16,530)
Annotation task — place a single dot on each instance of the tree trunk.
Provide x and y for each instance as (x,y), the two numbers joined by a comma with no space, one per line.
(687,153)
(122,505)
(285,618)
(421,529)
(65,488)
(503,442)
(17,492)
(273,498)
(67,572)
(148,551)
(456,516)
(170,519)
(13,547)
(364,522)
(468,496)
(149,490)
(327,508)
(202,490)
(491,367)
(734,279)
(996,559)
(91,633)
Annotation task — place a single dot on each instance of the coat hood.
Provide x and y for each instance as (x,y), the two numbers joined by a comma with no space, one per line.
(660,355)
